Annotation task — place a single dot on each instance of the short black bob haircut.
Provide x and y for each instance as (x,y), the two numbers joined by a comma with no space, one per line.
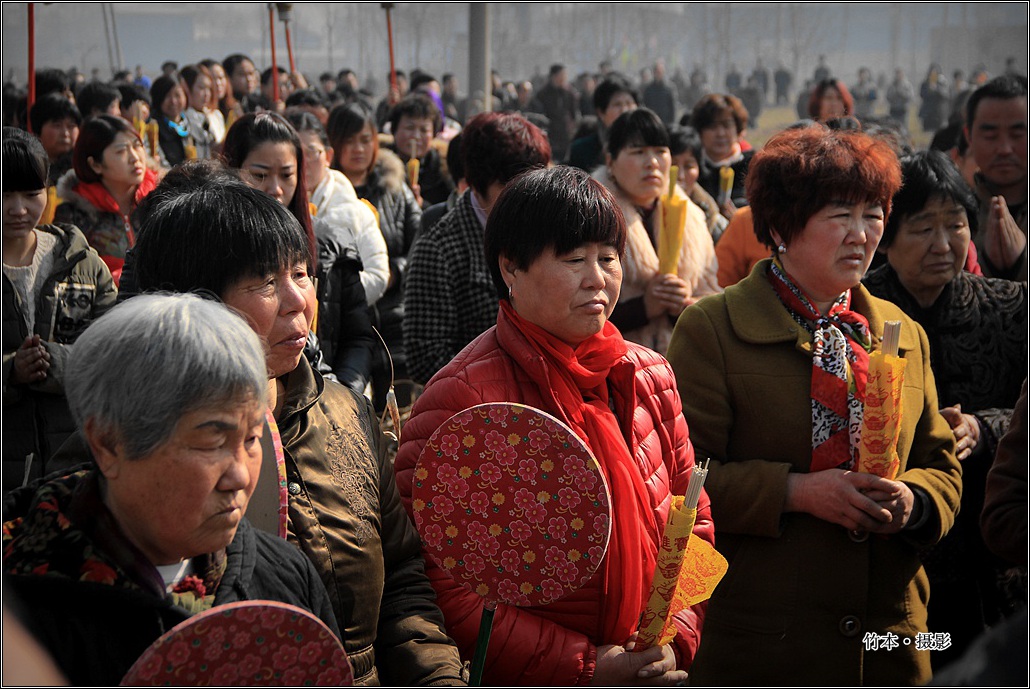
(640,127)
(613,85)
(928,175)
(557,208)
(26,164)
(209,230)
(53,107)
(96,97)
(684,138)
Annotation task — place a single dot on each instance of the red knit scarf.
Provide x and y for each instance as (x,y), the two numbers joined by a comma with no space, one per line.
(578,380)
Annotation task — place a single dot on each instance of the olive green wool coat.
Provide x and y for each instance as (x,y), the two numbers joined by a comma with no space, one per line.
(801,594)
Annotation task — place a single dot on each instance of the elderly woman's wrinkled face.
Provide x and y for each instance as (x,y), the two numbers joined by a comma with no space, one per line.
(930,248)
(568,295)
(642,172)
(834,249)
(187,497)
(413,136)
(280,308)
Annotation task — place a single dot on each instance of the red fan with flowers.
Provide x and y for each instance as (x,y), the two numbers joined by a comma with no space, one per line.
(512,503)
(250,643)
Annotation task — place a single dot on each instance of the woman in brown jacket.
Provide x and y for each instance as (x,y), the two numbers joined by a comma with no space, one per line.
(824,585)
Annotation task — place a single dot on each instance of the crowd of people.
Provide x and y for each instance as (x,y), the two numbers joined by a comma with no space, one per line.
(224,268)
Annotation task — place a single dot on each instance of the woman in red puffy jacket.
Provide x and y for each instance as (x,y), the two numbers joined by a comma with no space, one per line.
(554,242)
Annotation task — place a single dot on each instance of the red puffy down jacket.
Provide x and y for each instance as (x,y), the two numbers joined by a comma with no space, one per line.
(555,644)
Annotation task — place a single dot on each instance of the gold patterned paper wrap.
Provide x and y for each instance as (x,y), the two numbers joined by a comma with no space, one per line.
(686,573)
(881,418)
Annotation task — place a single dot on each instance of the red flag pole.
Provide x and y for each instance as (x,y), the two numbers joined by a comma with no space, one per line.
(275,65)
(389,37)
(32,62)
(289,48)
(286,16)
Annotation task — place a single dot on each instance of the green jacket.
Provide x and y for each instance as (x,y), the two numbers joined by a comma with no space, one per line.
(801,594)
(78,291)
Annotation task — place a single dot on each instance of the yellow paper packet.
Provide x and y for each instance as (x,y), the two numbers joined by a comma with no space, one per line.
(725,184)
(686,573)
(671,224)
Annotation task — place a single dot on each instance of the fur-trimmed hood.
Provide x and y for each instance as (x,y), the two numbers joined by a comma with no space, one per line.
(66,192)
(390,173)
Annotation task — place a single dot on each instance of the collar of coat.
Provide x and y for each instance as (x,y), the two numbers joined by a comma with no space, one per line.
(757,315)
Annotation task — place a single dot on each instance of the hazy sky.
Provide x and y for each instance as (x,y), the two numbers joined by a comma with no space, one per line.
(526,37)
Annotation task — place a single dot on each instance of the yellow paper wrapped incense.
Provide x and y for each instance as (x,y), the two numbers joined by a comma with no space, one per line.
(725,184)
(52,201)
(413,169)
(153,136)
(670,228)
(687,572)
(881,420)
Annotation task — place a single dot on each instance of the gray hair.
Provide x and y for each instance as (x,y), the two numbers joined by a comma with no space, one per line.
(154,358)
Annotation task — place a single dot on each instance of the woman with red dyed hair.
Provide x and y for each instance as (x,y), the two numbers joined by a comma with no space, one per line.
(825,584)
(830,98)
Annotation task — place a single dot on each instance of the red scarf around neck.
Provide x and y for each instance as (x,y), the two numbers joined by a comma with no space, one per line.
(577,377)
(98,195)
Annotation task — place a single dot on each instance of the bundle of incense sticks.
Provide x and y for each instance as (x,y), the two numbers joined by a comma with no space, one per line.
(891,335)
(697,481)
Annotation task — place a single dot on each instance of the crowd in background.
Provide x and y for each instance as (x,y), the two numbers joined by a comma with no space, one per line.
(383,203)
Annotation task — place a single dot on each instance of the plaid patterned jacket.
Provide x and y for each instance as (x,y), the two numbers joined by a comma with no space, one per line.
(449,295)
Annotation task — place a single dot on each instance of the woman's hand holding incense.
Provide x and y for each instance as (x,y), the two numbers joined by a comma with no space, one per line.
(620,666)
(899,502)
(847,498)
(666,294)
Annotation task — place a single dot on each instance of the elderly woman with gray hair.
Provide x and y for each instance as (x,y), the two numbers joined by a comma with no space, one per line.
(170,393)
(344,511)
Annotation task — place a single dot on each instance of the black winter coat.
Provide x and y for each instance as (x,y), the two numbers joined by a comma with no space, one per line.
(96,630)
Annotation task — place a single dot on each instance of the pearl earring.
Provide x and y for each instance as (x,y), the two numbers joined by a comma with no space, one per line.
(781,249)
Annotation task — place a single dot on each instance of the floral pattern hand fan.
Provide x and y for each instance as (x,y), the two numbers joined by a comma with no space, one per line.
(249,643)
(512,503)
